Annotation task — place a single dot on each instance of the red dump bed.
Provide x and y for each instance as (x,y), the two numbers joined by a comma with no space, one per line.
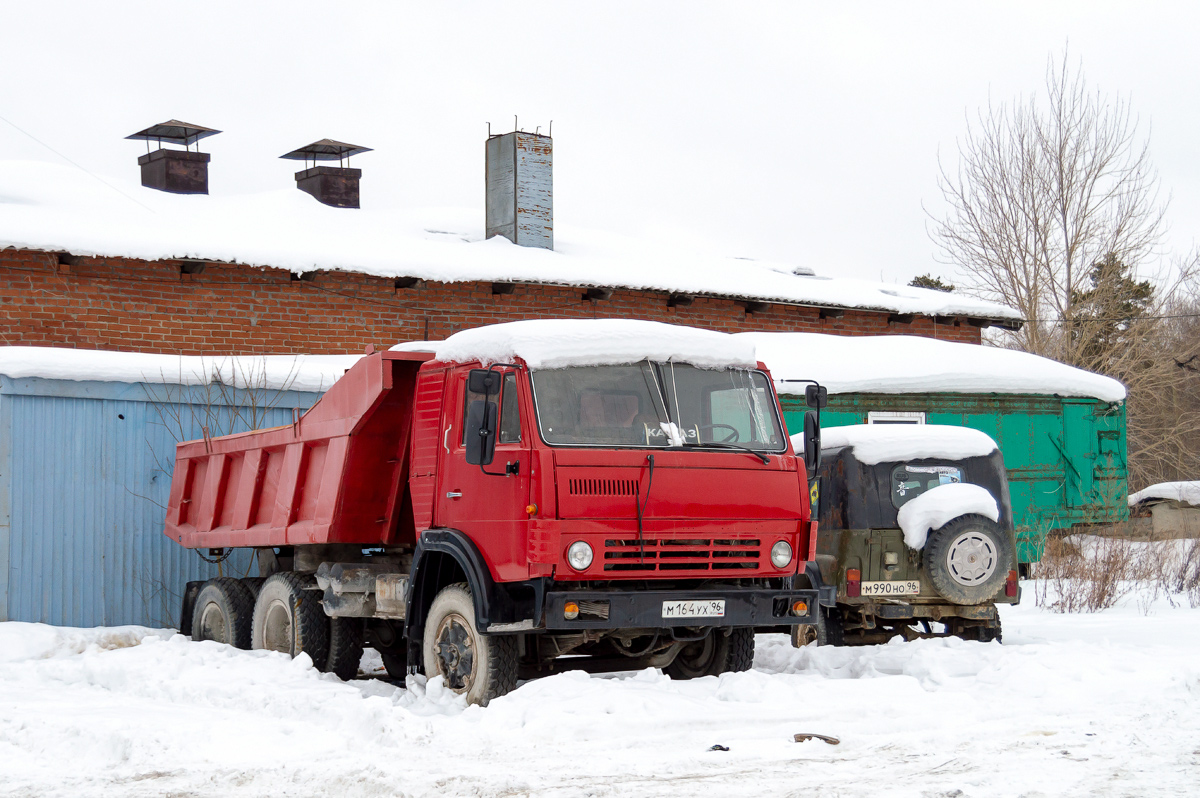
(337,475)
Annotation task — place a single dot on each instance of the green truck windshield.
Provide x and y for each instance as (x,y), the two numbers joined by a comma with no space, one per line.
(910,481)
(657,405)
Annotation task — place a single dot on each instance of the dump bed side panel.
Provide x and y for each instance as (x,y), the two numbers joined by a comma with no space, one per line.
(332,476)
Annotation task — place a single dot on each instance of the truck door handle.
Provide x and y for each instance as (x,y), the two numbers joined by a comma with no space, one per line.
(454,494)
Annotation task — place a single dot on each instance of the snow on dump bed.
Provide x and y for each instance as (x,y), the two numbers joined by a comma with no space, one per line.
(271,372)
(51,207)
(885,443)
(1186,492)
(938,506)
(911,364)
(556,343)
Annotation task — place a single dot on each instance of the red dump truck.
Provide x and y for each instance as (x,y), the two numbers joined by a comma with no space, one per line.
(607,495)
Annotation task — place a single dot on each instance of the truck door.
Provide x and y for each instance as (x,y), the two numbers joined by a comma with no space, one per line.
(488,503)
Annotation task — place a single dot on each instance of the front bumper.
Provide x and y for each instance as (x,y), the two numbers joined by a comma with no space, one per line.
(643,609)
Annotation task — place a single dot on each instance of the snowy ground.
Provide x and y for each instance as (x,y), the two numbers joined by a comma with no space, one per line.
(1105,704)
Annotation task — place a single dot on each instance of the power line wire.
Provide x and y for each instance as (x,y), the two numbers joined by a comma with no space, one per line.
(83,169)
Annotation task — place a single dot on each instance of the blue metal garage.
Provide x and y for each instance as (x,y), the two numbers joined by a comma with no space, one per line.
(85,474)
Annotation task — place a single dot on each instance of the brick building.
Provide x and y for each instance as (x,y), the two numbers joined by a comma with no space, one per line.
(83,266)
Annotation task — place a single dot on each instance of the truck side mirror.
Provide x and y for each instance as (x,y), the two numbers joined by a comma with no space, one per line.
(816,396)
(484,381)
(481,431)
(812,444)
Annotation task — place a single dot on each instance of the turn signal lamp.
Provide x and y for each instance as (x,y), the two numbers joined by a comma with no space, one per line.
(531,509)
(853,582)
(570,610)
(799,608)
(1010,584)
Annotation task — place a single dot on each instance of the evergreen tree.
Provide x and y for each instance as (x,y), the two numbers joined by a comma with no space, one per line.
(1104,318)
(929,281)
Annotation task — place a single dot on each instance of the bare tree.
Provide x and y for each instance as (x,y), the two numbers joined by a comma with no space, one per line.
(1043,191)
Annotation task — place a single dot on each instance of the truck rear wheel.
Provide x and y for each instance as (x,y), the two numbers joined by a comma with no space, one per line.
(345,647)
(716,654)
(289,618)
(479,666)
(223,611)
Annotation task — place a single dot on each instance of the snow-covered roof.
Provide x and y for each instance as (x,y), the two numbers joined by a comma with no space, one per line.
(272,372)
(49,207)
(1186,492)
(910,364)
(555,343)
(885,443)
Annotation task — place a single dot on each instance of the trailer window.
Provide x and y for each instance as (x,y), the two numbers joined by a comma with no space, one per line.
(910,481)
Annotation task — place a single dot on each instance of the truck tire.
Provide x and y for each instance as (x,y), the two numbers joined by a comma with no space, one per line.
(255,583)
(968,559)
(716,654)
(288,618)
(345,647)
(223,611)
(479,666)
(741,650)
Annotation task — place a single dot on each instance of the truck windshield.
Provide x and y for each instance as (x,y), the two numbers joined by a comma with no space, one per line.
(657,405)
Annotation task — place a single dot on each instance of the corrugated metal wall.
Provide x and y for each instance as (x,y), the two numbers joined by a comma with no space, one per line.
(84,479)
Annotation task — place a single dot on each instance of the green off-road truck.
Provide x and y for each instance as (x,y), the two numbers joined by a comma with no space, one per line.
(915,529)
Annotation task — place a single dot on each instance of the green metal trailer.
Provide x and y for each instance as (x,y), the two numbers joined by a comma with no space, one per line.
(1065,456)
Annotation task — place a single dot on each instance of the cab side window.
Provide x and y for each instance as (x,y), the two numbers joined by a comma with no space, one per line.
(510,415)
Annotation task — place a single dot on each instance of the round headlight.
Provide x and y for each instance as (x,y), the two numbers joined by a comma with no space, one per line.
(781,554)
(579,555)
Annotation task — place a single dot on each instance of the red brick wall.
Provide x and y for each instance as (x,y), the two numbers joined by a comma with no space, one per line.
(134,305)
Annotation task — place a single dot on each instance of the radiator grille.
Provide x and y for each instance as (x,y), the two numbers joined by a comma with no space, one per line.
(682,554)
(602,487)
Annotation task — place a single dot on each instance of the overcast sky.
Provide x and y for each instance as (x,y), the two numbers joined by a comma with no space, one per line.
(789,132)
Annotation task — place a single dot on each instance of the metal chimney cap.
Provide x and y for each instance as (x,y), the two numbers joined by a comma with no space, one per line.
(175,131)
(325,150)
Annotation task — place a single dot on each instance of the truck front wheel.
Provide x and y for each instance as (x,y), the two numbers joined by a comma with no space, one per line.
(716,654)
(479,666)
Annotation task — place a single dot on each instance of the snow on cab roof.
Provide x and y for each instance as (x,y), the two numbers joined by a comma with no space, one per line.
(1185,492)
(270,372)
(885,443)
(910,364)
(54,208)
(556,343)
